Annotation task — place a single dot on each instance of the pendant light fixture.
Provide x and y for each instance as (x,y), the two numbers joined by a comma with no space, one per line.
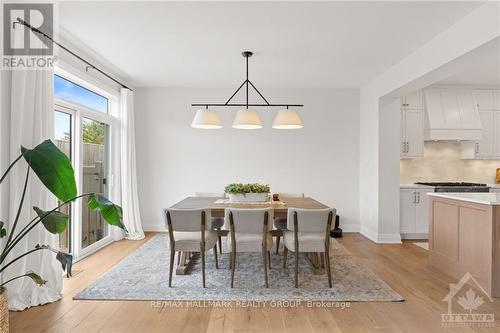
(246,118)
(206,118)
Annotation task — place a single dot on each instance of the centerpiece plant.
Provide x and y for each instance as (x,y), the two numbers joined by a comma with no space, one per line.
(247,192)
(56,173)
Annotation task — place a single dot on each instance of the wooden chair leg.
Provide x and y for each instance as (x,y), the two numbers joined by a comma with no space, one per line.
(203,266)
(215,255)
(171,268)
(285,254)
(269,259)
(220,243)
(296,268)
(277,244)
(233,263)
(327,264)
(264,257)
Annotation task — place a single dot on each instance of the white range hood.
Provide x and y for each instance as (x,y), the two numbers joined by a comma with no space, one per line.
(451,114)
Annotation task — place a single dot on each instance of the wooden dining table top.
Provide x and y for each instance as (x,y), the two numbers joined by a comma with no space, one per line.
(217,209)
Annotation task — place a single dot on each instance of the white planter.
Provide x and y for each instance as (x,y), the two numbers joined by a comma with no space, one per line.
(249,197)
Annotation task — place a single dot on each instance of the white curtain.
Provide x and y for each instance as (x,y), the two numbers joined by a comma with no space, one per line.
(27,119)
(128,170)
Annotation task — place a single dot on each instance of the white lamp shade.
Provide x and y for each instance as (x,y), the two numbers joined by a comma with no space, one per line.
(206,119)
(247,119)
(287,119)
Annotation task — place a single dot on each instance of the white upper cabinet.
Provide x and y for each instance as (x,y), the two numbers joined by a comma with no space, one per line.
(412,126)
(487,99)
(413,101)
(414,133)
(489,146)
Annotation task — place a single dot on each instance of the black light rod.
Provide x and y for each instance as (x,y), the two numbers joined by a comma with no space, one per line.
(21,21)
(210,104)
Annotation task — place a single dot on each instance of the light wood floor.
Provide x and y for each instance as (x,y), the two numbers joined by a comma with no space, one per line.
(404,267)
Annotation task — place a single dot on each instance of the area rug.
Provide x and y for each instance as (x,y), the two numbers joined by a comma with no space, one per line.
(143,275)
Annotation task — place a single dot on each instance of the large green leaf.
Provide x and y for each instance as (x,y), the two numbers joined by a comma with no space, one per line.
(54,222)
(3,231)
(36,278)
(53,168)
(110,212)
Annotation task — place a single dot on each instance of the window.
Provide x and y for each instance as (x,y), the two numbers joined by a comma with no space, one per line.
(75,93)
(82,128)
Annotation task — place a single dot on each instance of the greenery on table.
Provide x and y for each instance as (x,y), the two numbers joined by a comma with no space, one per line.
(239,188)
(55,171)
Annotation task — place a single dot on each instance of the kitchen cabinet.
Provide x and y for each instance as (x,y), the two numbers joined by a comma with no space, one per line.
(413,101)
(414,213)
(487,99)
(489,146)
(412,133)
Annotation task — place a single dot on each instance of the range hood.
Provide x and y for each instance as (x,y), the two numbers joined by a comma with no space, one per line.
(451,114)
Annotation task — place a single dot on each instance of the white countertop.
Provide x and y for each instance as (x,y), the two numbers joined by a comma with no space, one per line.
(474,197)
(414,186)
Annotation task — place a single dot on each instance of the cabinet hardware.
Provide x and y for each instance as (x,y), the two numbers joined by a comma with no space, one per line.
(414,197)
(477,147)
(418,197)
(403,147)
(407,147)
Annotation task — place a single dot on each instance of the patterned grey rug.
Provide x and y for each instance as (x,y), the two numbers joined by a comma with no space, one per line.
(143,275)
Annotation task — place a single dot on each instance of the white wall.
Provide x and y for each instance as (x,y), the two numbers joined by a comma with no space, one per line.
(457,47)
(175,160)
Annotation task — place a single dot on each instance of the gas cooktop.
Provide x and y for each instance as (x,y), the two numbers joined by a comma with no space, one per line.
(456,186)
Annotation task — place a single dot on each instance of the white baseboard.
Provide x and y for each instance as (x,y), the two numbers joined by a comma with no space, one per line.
(392,238)
(349,227)
(415,236)
(154,227)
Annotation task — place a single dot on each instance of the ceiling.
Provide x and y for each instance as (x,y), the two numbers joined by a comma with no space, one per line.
(295,44)
(483,73)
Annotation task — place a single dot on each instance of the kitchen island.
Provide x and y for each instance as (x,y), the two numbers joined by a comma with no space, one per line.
(464,236)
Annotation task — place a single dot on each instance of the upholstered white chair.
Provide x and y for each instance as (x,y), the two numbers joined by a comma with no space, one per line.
(250,231)
(308,231)
(189,231)
(280,222)
(216,222)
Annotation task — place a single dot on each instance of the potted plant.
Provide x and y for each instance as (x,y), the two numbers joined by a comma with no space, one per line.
(247,192)
(54,170)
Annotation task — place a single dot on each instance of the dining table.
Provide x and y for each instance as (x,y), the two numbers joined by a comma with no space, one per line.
(217,205)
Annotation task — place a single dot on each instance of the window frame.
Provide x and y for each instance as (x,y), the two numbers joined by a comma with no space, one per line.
(79,112)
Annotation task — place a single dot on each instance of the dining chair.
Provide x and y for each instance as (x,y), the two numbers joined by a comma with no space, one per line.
(216,222)
(308,231)
(250,231)
(280,223)
(188,231)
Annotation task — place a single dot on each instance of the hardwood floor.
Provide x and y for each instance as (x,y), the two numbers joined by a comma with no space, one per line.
(404,267)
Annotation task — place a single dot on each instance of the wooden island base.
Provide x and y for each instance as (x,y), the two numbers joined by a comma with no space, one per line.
(464,236)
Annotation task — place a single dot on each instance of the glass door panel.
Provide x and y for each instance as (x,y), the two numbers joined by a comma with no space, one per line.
(94,172)
(63,141)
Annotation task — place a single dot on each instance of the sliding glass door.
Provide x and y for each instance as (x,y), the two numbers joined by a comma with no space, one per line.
(82,128)
(63,130)
(94,170)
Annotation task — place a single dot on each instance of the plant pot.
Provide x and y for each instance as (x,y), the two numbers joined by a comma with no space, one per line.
(249,197)
(4,311)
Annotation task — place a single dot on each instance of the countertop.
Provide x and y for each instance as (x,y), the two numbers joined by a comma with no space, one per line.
(474,197)
(415,186)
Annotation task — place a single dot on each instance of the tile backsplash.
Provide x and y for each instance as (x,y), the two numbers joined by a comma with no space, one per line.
(442,162)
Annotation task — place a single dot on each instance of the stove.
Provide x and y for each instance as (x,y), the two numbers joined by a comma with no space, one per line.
(457,186)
